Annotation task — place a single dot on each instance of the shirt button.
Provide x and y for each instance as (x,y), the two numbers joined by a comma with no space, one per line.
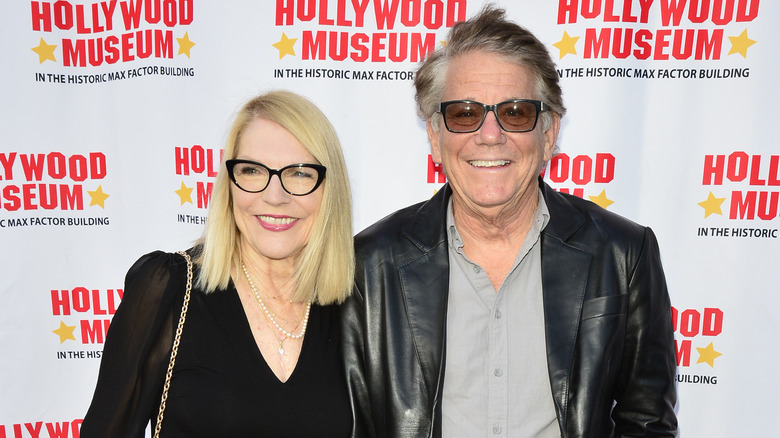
(477,269)
(496,429)
(498,314)
(498,372)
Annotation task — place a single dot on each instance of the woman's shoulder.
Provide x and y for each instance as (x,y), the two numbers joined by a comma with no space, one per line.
(155,277)
(157,262)
(160,264)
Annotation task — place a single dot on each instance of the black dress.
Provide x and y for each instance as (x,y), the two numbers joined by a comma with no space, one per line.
(221,385)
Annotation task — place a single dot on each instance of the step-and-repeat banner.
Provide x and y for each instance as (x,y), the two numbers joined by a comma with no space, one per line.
(114,114)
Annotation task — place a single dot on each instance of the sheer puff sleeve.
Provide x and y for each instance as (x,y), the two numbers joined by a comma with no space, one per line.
(137,348)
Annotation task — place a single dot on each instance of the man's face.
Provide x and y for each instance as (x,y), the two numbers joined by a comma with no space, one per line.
(491,170)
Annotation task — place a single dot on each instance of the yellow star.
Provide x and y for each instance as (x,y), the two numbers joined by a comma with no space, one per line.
(566,45)
(98,197)
(185,194)
(185,44)
(740,44)
(45,51)
(602,199)
(443,43)
(65,332)
(708,354)
(285,46)
(712,205)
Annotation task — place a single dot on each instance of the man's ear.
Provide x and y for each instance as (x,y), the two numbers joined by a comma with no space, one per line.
(433,138)
(551,136)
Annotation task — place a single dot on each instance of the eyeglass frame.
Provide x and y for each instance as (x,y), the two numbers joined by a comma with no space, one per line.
(230,165)
(538,104)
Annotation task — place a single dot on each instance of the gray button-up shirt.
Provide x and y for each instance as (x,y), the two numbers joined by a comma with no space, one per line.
(495,380)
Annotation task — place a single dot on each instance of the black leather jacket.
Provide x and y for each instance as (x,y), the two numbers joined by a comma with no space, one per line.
(607,314)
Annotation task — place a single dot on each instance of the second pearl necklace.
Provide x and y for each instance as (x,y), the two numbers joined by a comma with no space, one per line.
(271,315)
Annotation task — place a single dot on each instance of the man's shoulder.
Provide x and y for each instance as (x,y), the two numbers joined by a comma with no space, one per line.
(592,216)
(389,228)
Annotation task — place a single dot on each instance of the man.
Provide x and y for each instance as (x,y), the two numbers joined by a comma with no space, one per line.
(501,307)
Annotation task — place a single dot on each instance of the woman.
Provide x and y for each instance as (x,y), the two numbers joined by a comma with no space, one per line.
(259,351)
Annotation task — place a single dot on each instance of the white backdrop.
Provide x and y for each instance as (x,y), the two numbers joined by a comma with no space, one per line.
(114,113)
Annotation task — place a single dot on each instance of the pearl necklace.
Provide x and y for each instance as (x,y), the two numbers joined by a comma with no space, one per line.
(271,316)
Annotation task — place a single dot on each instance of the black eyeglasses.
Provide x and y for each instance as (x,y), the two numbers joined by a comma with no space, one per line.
(296,179)
(518,115)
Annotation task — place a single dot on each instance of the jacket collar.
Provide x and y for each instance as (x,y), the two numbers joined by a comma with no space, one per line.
(428,228)
(565,220)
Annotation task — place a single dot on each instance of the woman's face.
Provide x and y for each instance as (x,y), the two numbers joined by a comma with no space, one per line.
(274,224)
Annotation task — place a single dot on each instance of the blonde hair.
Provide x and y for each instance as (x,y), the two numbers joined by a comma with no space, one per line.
(325,268)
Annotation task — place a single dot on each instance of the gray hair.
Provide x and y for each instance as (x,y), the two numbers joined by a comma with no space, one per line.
(489,32)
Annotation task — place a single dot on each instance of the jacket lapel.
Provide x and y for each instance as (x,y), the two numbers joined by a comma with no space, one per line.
(425,286)
(427,311)
(565,271)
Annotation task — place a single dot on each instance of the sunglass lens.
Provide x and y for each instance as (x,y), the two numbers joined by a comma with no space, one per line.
(463,117)
(517,116)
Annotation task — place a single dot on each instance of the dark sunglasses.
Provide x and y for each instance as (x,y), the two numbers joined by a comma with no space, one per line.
(518,115)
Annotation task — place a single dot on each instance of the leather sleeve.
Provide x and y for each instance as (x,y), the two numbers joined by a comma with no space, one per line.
(645,395)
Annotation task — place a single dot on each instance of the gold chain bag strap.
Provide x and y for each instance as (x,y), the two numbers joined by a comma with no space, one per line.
(176,341)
